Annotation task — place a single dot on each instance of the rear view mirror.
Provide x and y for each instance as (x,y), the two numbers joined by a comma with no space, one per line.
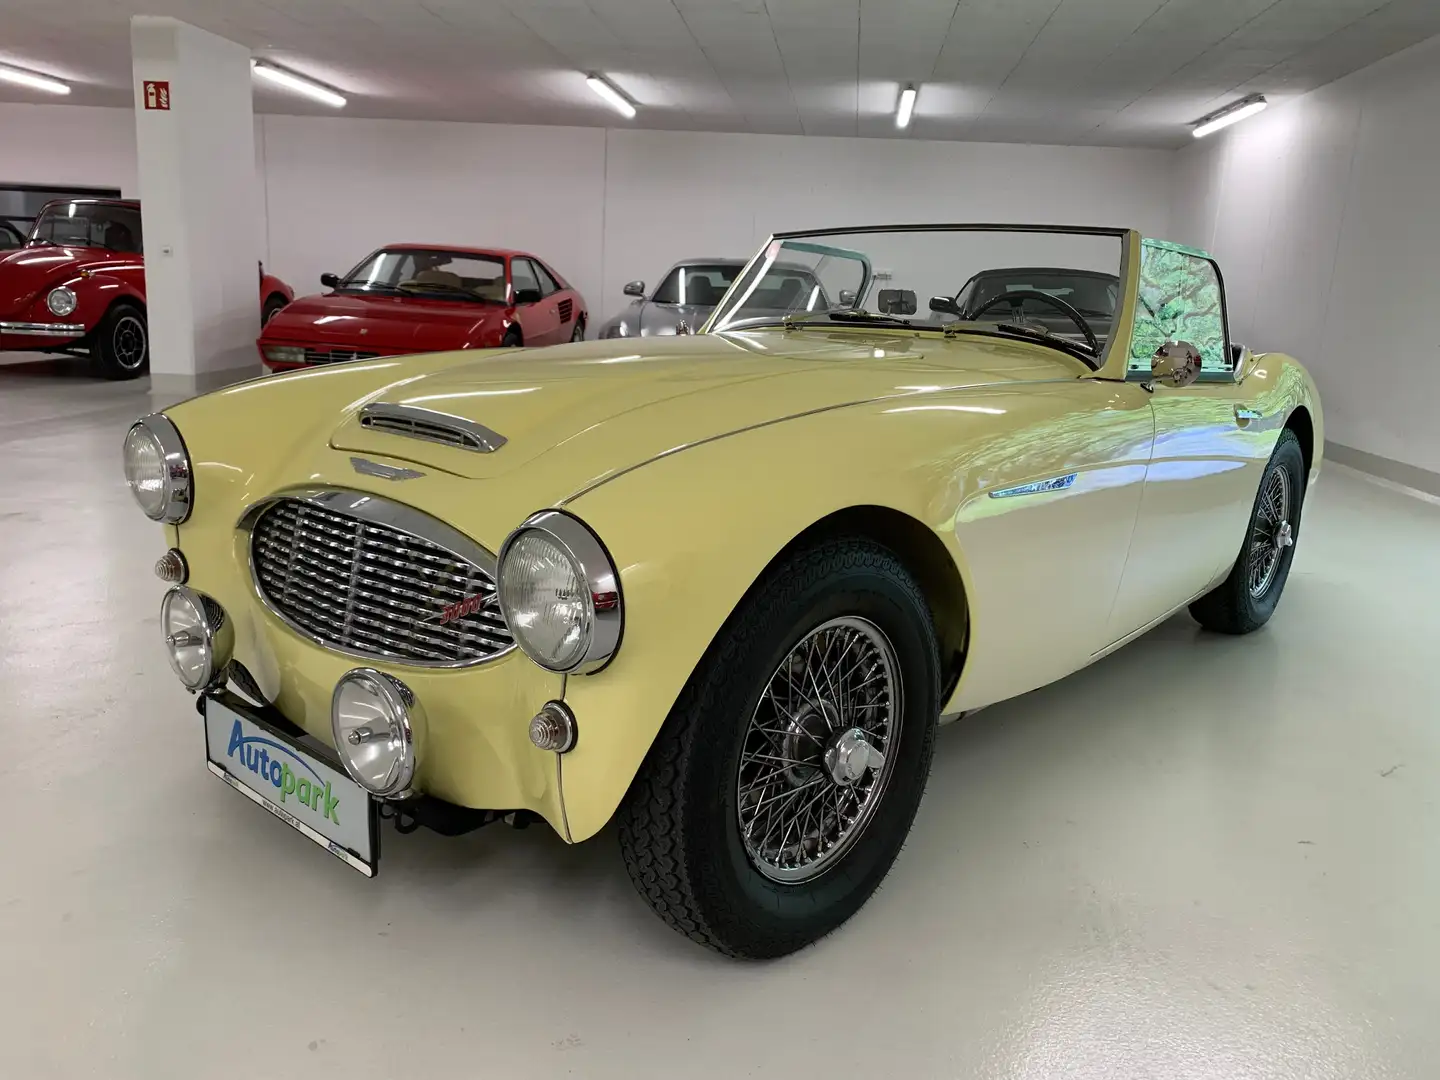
(635,288)
(945,305)
(896,301)
(1175,363)
(330,281)
(527,296)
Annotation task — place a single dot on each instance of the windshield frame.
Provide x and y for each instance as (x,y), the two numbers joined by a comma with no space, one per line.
(1128,239)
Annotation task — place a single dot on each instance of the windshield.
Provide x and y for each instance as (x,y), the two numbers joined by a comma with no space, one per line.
(995,280)
(113,226)
(702,284)
(478,278)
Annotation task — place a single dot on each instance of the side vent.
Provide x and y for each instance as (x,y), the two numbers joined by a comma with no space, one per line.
(411,422)
(567,309)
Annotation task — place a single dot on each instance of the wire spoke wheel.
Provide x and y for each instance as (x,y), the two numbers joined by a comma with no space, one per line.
(1271,532)
(819,750)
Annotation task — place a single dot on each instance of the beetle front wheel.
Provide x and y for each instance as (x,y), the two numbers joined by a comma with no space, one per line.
(121,346)
(782,787)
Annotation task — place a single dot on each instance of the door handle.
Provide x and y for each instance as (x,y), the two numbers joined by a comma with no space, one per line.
(1243,416)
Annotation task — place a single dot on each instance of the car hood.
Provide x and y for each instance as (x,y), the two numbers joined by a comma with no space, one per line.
(583,412)
(656,318)
(378,323)
(24,272)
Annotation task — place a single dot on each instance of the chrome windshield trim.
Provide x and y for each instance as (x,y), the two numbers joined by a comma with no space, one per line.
(386,512)
(40,329)
(469,434)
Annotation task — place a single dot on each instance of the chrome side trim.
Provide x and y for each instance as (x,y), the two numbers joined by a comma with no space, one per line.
(366,467)
(1058,483)
(382,511)
(40,329)
(430,425)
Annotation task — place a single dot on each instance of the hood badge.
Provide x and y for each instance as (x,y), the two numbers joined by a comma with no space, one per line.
(384,472)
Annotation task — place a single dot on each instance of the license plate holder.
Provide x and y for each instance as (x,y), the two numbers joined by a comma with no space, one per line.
(302,784)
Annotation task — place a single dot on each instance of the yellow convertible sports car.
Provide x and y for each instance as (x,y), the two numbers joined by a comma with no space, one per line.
(722,587)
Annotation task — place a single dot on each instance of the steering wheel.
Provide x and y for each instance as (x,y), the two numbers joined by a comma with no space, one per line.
(1054,301)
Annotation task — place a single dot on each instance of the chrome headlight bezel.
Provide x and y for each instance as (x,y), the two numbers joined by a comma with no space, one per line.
(405,725)
(177,482)
(61,301)
(215,645)
(603,617)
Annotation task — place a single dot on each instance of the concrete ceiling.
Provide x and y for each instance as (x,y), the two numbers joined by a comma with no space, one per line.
(1102,72)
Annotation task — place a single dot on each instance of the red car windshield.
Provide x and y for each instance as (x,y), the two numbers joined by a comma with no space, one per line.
(112,226)
(437,273)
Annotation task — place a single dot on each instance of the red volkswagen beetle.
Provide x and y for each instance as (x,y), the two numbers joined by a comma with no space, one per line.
(77,286)
(413,298)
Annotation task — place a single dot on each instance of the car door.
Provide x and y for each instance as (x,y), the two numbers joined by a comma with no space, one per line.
(539,314)
(1212,439)
(1046,521)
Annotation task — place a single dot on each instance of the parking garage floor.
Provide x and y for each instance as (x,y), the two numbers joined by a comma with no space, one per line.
(1202,857)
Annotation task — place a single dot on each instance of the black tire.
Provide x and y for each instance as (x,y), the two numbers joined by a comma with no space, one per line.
(578,334)
(121,348)
(679,824)
(273,304)
(511,340)
(1246,599)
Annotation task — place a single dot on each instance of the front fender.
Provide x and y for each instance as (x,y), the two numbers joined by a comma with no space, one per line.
(690,533)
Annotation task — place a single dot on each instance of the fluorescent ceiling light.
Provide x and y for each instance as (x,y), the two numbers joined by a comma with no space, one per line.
(30,79)
(907,106)
(281,77)
(610,96)
(1231,114)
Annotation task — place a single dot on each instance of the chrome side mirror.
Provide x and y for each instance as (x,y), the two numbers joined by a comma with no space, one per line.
(635,288)
(1175,363)
(848,298)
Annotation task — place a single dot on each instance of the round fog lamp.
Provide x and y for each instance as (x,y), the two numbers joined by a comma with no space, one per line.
(375,720)
(61,301)
(199,639)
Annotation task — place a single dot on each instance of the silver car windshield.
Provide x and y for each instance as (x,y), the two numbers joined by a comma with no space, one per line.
(1047,283)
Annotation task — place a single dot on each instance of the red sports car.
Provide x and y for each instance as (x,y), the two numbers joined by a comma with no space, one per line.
(413,298)
(77,286)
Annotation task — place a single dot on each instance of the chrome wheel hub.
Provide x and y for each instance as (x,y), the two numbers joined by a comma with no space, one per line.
(850,756)
(817,754)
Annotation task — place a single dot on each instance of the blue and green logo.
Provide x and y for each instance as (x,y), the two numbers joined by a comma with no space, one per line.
(254,752)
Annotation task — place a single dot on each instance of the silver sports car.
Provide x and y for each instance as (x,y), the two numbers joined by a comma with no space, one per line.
(690,291)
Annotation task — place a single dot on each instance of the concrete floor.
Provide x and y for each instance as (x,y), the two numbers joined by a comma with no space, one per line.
(1201,858)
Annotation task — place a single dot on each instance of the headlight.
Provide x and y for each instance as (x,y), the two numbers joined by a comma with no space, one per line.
(376,722)
(619,330)
(157,468)
(199,639)
(284,354)
(61,301)
(560,594)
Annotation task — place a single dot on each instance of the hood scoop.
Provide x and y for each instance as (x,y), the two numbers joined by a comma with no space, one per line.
(430,425)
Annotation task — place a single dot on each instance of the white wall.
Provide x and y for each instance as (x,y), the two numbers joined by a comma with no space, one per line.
(604,206)
(68,144)
(1325,216)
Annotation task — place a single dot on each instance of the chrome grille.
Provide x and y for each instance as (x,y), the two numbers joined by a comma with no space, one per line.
(372,590)
(335,355)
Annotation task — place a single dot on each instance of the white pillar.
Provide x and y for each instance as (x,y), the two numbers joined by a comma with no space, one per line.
(200,204)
